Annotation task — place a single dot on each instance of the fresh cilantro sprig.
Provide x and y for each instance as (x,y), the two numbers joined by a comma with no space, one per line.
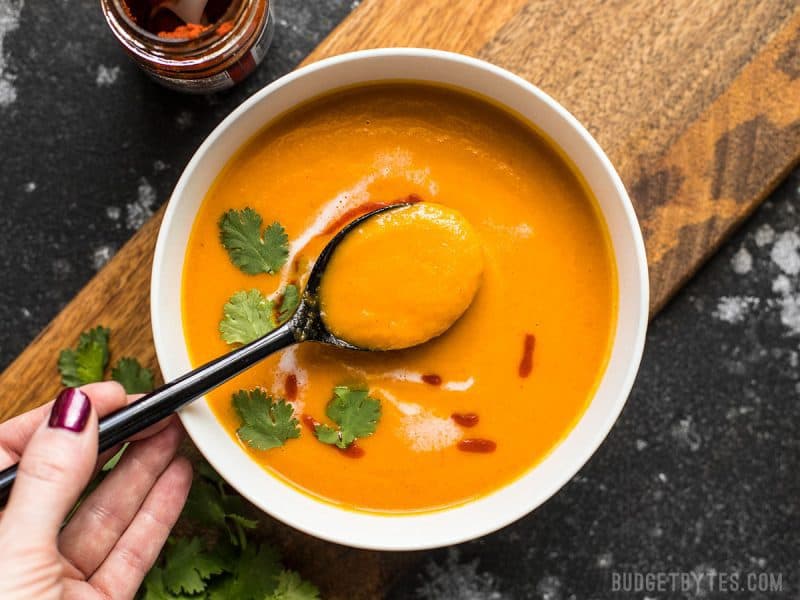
(211,505)
(250,249)
(254,576)
(292,587)
(289,302)
(224,569)
(135,378)
(354,411)
(247,316)
(266,423)
(87,363)
(187,567)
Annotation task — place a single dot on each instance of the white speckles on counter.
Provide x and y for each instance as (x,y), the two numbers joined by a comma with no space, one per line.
(784,252)
(684,432)
(735,367)
(550,588)
(456,580)
(61,269)
(736,412)
(29,187)
(788,302)
(742,261)
(101,256)
(184,120)
(758,561)
(781,285)
(9,21)
(106,76)
(656,531)
(641,444)
(780,256)
(764,235)
(113,212)
(734,309)
(138,212)
(604,560)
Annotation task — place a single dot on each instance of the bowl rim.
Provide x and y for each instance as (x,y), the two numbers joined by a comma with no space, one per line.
(425,530)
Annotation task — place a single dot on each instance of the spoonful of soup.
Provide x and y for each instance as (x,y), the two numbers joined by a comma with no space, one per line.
(393,278)
(397,278)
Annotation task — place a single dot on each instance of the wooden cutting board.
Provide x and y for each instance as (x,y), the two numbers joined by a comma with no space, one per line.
(697,103)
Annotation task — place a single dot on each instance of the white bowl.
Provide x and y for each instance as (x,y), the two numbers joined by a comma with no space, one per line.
(486,514)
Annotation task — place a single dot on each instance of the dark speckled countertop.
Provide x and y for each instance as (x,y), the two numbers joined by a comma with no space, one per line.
(698,482)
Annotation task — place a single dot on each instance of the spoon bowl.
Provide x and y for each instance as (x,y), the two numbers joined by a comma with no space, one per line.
(307,323)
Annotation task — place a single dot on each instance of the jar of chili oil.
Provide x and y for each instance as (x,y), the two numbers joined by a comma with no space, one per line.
(227,44)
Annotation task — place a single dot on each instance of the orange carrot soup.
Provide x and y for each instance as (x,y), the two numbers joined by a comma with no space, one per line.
(500,228)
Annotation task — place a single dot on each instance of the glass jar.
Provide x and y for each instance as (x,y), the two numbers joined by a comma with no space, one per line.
(208,59)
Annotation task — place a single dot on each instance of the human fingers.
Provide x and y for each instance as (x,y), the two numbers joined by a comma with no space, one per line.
(106,513)
(122,572)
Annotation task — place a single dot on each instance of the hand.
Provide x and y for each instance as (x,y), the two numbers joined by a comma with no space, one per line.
(117,532)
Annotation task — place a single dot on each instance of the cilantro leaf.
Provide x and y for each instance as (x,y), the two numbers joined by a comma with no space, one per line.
(249,249)
(235,510)
(221,589)
(237,533)
(354,411)
(187,567)
(154,588)
(204,505)
(289,302)
(266,423)
(112,462)
(256,576)
(327,434)
(247,317)
(209,505)
(135,378)
(205,470)
(292,587)
(86,363)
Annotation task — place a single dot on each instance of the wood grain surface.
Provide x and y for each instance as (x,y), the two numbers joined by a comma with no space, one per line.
(697,103)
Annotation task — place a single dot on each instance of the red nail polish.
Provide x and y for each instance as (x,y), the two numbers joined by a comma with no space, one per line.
(70,410)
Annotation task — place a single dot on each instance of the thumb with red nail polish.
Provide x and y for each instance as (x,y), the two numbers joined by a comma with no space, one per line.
(55,467)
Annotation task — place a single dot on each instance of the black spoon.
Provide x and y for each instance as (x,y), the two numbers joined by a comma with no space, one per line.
(306,325)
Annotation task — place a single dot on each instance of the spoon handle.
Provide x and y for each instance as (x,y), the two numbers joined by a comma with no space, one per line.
(118,426)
